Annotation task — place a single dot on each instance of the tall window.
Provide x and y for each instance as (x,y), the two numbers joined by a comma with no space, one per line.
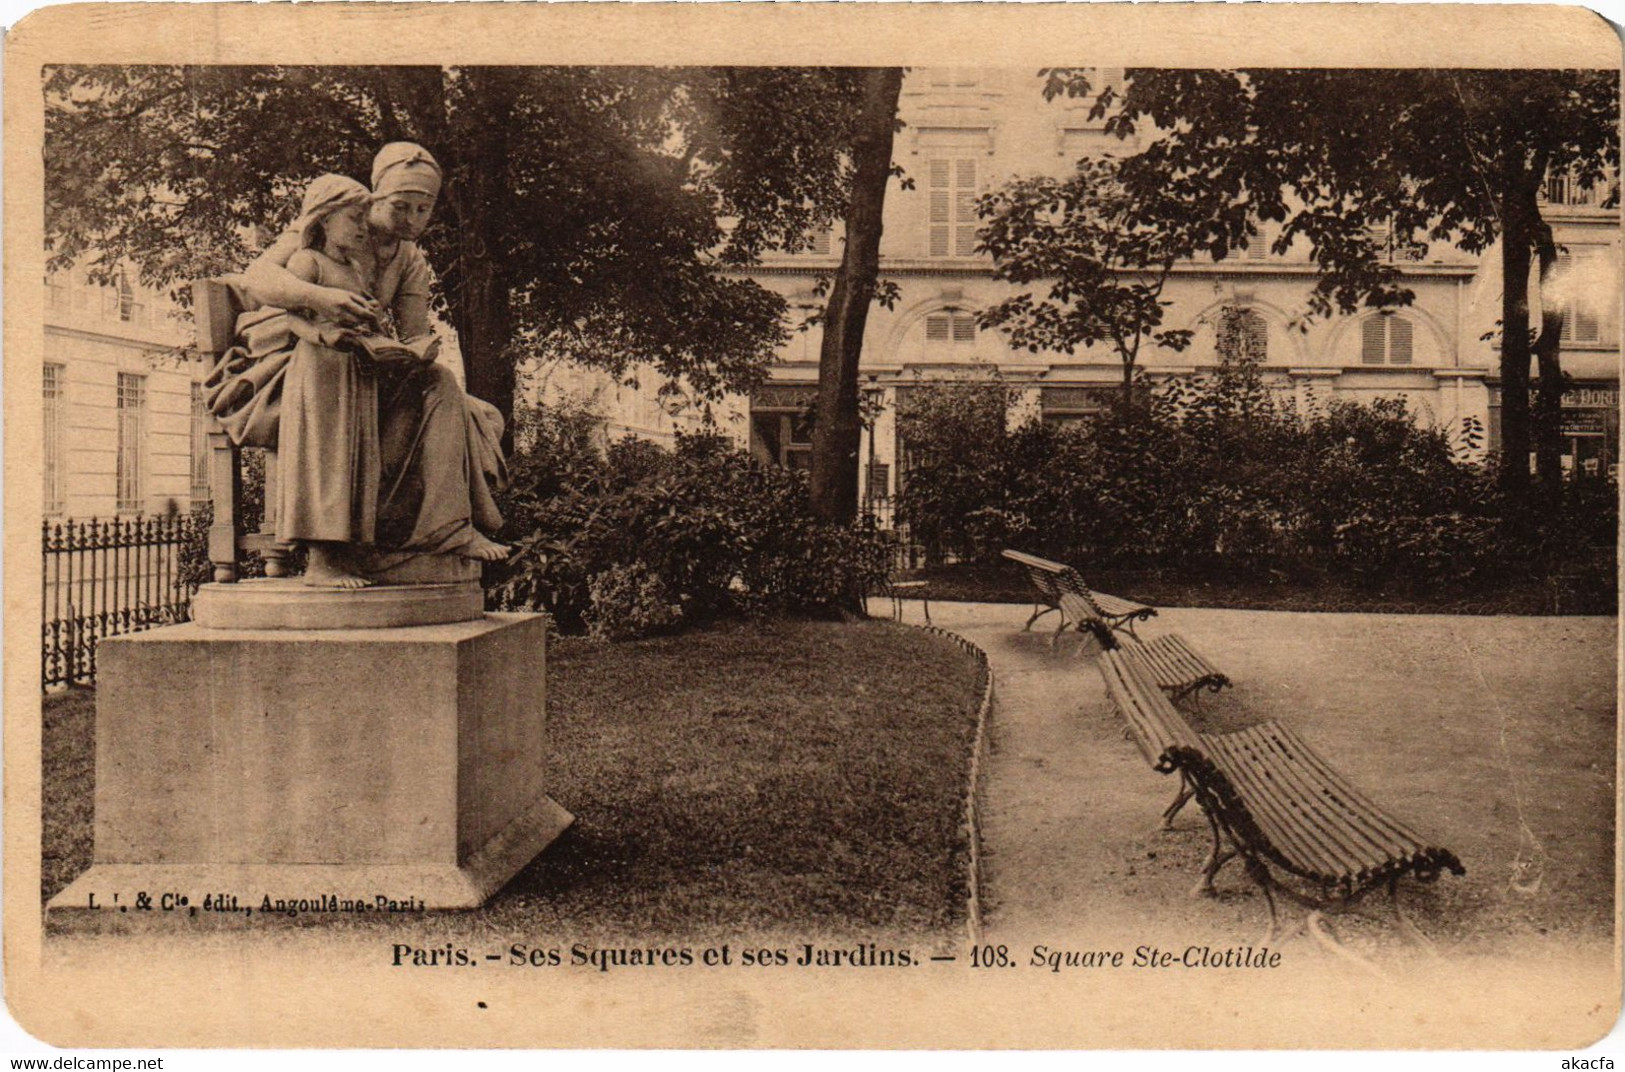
(1258,247)
(1582,312)
(951,190)
(1385,340)
(1242,336)
(200,444)
(952,328)
(132,439)
(55,436)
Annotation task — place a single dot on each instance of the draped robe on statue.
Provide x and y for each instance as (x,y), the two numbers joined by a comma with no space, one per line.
(394,458)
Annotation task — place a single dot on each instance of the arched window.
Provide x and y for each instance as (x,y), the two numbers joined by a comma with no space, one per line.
(1243,336)
(1385,339)
(950,328)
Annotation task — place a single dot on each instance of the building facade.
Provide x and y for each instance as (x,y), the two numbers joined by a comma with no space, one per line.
(123,411)
(969,130)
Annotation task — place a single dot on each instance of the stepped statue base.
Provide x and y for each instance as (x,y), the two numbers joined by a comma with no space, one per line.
(296,761)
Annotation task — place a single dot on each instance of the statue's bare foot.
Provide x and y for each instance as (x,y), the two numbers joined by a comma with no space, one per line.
(482,550)
(324,569)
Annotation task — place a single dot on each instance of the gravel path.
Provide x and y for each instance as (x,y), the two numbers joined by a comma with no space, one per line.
(1494,736)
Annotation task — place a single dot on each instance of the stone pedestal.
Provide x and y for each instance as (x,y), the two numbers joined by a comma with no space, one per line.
(403,763)
(289,603)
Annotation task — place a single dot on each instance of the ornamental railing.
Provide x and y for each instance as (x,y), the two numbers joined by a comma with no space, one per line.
(107,577)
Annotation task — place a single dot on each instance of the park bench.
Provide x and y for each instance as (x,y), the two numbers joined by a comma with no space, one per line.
(1059,588)
(897,591)
(1301,829)
(1176,667)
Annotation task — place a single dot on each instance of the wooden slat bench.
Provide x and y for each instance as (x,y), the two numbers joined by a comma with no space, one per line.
(1176,667)
(1300,828)
(897,591)
(1059,587)
(1170,660)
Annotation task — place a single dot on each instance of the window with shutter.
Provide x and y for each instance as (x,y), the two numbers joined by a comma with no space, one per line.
(1399,340)
(951,207)
(1373,341)
(1258,247)
(126,300)
(1386,340)
(950,328)
(1582,314)
(1565,188)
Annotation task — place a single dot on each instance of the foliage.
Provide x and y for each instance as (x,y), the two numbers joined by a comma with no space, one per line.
(1104,252)
(1332,153)
(1359,162)
(583,208)
(703,529)
(957,464)
(1217,472)
(630,601)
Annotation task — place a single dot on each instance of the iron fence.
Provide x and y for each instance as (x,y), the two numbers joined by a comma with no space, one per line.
(107,577)
(906,554)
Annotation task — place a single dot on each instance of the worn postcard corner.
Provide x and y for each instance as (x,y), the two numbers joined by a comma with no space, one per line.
(341,342)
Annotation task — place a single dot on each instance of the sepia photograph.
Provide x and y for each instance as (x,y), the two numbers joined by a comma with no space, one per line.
(768,526)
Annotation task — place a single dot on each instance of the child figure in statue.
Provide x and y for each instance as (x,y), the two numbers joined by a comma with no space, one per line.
(330,453)
(380,462)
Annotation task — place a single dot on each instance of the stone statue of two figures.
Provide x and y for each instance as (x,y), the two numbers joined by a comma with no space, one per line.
(382,456)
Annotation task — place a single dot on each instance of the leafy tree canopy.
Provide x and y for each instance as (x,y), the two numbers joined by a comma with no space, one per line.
(1104,252)
(589,212)
(1330,153)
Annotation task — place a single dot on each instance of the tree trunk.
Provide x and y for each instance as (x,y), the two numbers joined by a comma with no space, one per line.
(475,288)
(1518,235)
(837,430)
(1548,408)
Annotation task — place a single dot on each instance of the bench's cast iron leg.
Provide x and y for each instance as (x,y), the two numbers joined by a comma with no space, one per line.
(1056,636)
(1180,800)
(1260,875)
(1037,614)
(1217,857)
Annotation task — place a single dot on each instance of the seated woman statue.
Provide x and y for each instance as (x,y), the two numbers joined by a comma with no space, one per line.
(379,460)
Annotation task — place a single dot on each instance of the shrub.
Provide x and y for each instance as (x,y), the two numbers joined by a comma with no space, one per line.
(958,462)
(1215,472)
(630,601)
(702,528)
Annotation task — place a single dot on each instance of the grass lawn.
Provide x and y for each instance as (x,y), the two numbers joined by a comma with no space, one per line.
(795,778)
(1589,590)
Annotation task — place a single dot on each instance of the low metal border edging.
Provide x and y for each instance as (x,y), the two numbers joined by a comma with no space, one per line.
(972,824)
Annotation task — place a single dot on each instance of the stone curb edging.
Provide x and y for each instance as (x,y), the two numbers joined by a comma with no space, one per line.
(972,825)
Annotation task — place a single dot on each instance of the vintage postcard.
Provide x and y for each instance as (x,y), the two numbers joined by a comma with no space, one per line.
(790,526)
